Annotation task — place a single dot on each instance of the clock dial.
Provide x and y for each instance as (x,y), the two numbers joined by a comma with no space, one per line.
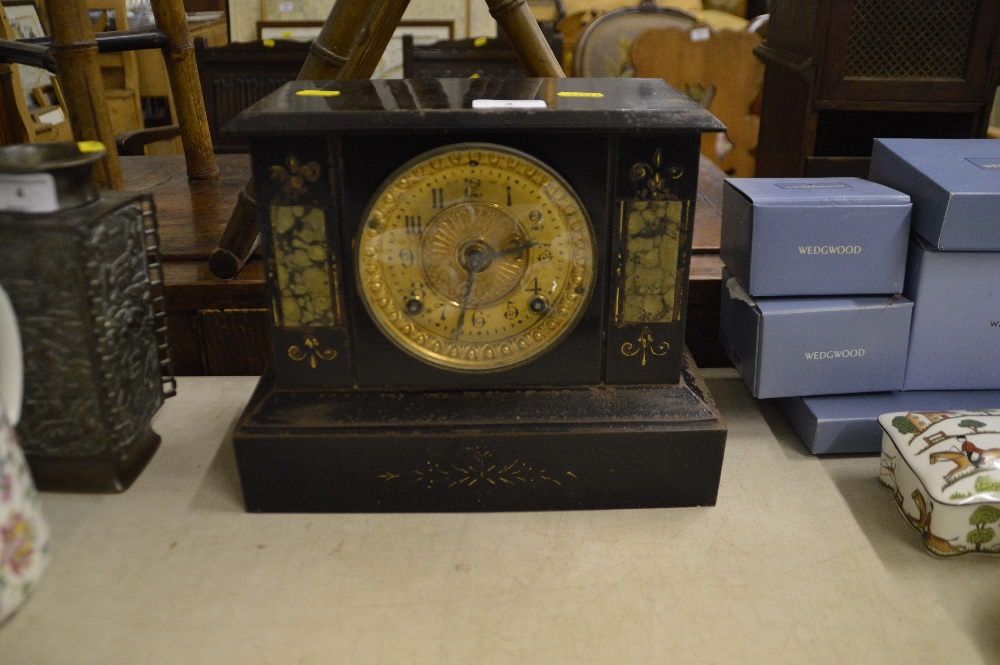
(475,257)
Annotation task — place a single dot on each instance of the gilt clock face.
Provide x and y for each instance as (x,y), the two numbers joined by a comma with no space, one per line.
(475,257)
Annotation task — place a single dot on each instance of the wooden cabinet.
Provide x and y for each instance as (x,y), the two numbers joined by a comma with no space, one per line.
(840,73)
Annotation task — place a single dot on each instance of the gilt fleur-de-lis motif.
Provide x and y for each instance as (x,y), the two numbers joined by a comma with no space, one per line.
(312,352)
(294,176)
(652,182)
(646,344)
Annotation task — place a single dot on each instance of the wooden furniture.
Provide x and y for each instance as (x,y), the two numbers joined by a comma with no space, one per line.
(220,326)
(234,76)
(605,47)
(119,71)
(462,58)
(722,74)
(153,79)
(18,124)
(843,72)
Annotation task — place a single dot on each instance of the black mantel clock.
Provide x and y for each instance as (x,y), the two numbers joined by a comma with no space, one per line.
(478,292)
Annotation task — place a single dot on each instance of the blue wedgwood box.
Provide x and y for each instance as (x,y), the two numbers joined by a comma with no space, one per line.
(954,185)
(829,424)
(955,336)
(786,347)
(814,236)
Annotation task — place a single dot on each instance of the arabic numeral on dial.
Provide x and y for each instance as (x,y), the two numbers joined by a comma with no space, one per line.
(535,216)
(512,311)
(437,197)
(414,226)
(533,287)
(546,253)
(406,257)
(478,320)
(417,290)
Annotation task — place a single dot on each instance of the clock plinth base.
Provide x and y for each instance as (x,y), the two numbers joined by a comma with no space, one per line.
(321,450)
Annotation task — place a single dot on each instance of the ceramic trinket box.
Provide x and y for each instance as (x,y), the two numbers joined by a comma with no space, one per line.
(944,469)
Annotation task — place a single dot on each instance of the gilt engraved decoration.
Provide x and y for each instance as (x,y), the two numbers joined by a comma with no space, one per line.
(653,180)
(481,468)
(645,345)
(311,351)
(295,177)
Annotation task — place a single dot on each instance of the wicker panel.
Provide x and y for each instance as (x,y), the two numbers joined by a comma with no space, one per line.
(910,39)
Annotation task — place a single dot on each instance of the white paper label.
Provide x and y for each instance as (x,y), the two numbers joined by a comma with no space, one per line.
(701,34)
(31,192)
(509,104)
(286,6)
(53,117)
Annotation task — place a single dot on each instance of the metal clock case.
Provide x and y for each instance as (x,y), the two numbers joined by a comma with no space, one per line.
(477,309)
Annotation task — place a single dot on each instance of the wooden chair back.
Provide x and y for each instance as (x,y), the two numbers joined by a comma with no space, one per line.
(119,71)
(461,58)
(236,75)
(605,47)
(722,74)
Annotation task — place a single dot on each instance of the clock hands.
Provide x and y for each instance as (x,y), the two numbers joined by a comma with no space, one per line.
(476,262)
(516,249)
(474,268)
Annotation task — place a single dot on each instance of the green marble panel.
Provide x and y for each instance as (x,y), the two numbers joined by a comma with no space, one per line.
(652,240)
(303,270)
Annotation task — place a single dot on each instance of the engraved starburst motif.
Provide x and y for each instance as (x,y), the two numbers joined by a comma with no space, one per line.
(480,468)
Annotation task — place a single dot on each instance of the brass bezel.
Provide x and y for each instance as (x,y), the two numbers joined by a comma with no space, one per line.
(480,364)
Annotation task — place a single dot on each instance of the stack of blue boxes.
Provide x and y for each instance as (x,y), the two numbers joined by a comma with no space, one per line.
(823,278)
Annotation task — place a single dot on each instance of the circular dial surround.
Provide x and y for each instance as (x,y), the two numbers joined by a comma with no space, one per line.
(475,257)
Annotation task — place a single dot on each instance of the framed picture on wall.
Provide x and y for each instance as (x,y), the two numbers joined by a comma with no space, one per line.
(24,20)
(391,64)
(22,15)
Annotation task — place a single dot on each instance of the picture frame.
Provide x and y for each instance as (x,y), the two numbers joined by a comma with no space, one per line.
(25,23)
(391,63)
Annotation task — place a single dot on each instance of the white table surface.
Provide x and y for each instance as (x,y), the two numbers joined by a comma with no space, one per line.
(802,560)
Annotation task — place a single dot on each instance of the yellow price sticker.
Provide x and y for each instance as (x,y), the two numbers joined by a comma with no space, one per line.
(268,43)
(89,146)
(474,75)
(479,42)
(570,93)
(318,93)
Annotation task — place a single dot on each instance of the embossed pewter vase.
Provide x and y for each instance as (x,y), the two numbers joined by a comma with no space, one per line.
(83,272)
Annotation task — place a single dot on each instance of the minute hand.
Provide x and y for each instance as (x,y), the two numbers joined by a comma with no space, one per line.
(516,249)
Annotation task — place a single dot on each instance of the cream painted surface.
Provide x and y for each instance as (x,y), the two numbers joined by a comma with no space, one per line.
(802,560)
(474,14)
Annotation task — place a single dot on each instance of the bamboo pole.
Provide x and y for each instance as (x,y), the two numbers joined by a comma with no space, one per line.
(75,51)
(346,32)
(186,87)
(521,28)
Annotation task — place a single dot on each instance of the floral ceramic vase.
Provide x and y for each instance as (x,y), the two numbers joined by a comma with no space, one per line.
(24,537)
